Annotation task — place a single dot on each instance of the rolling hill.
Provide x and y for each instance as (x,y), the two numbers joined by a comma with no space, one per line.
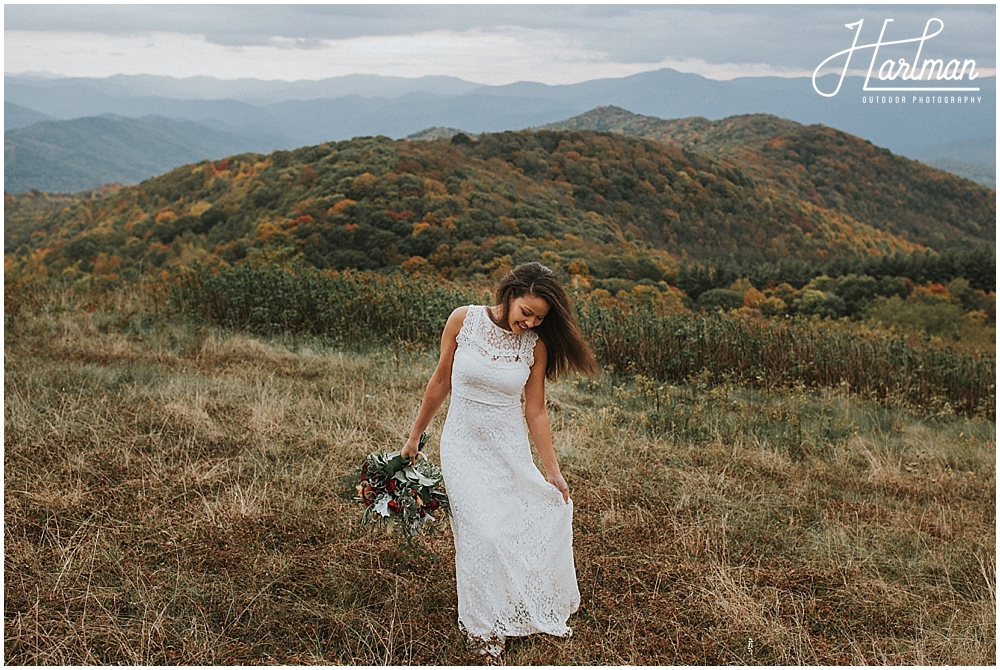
(307,112)
(613,205)
(82,154)
(981,174)
(823,166)
(16,116)
(437,132)
(974,159)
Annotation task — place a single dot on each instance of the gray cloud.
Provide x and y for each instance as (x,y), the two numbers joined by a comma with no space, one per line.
(240,40)
(789,36)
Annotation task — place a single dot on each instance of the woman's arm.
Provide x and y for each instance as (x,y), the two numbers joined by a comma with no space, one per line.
(439,385)
(538,419)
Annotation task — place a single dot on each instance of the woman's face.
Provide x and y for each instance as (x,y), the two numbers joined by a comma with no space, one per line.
(526,312)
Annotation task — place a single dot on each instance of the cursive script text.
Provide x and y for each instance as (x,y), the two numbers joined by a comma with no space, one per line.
(893,70)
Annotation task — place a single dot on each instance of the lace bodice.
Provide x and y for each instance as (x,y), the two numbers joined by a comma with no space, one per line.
(493,342)
(508,356)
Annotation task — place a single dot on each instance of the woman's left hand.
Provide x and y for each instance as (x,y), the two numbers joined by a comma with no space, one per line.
(560,483)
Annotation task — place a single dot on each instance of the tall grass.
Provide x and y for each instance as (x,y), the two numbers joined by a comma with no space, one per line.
(347,308)
(358,309)
(172,497)
(776,353)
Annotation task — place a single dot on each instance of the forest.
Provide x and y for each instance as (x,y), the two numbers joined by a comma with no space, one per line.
(753,213)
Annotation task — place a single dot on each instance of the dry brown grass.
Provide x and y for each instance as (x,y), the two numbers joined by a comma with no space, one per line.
(172,496)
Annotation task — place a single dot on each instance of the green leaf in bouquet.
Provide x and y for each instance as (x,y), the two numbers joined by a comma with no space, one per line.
(382,505)
(415,475)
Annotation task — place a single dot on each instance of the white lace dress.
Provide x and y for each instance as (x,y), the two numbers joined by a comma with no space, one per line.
(513,531)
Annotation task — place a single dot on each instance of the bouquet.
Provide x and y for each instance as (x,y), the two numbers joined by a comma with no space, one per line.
(397,492)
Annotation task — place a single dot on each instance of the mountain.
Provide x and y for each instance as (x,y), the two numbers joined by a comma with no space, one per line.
(828,168)
(666,93)
(75,100)
(437,132)
(978,151)
(295,123)
(67,156)
(981,174)
(15,116)
(307,112)
(598,203)
(973,159)
(317,121)
(253,91)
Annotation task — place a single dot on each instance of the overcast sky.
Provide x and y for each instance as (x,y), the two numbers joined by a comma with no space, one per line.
(488,44)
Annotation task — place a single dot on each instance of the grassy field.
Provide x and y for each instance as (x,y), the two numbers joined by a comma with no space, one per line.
(172,496)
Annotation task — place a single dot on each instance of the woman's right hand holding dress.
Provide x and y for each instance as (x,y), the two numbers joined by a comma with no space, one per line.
(559,482)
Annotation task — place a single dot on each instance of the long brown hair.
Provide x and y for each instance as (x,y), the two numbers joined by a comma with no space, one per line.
(566,347)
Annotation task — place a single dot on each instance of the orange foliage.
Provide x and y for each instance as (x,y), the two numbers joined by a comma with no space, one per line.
(753,298)
(414,264)
(363,182)
(932,292)
(267,230)
(938,289)
(339,207)
(105,265)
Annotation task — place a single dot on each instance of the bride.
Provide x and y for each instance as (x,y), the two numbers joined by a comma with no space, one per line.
(512,526)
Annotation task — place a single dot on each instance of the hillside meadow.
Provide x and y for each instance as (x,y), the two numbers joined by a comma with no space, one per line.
(173,495)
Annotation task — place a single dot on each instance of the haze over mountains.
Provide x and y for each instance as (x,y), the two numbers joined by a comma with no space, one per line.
(15,116)
(76,155)
(269,115)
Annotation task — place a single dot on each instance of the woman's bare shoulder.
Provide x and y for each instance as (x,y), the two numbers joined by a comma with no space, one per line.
(456,319)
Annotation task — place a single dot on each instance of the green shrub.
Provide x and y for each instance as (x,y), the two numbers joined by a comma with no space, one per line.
(629,335)
(721,297)
(774,353)
(349,308)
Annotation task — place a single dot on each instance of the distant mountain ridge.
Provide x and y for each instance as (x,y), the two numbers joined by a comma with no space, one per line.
(437,132)
(15,116)
(312,112)
(981,174)
(974,159)
(252,91)
(978,151)
(70,156)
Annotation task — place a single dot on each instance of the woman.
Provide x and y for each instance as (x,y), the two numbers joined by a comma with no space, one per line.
(512,526)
